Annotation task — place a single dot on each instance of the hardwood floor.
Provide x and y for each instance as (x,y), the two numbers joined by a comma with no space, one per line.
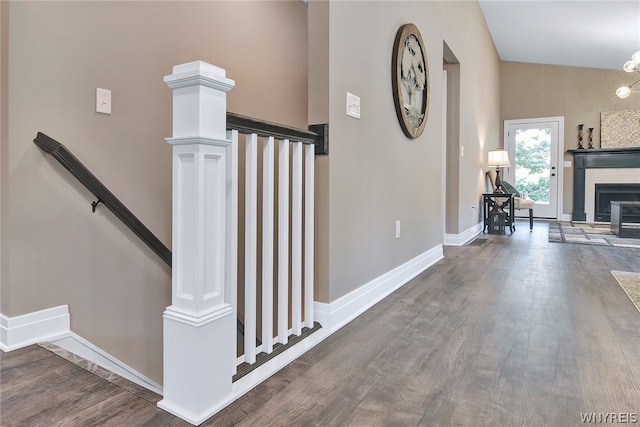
(519,332)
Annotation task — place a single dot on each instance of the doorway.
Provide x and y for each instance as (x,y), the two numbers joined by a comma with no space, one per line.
(535,147)
(451,145)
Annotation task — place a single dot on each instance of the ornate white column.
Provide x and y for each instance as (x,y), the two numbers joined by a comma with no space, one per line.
(200,324)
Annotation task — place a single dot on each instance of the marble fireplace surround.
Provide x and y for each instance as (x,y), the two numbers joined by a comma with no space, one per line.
(597,166)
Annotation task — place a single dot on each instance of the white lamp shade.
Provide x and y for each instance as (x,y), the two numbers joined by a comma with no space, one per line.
(498,158)
(623,91)
(636,57)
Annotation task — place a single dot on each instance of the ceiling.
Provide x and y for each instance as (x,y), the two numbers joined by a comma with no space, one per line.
(580,33)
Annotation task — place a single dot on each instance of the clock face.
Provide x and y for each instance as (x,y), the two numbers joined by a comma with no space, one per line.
(410,80)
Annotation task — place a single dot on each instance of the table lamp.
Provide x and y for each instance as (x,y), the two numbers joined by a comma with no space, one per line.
(498,159)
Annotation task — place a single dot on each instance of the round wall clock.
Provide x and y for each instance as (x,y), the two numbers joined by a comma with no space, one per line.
(410,80)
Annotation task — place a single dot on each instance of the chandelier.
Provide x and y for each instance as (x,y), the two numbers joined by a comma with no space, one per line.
(630,66)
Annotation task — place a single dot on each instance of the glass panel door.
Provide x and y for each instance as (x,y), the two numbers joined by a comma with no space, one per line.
(533,153)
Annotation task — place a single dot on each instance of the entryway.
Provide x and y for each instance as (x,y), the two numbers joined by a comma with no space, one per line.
(535,147)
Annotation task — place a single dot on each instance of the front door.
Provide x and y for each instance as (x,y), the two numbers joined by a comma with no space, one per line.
(534,152)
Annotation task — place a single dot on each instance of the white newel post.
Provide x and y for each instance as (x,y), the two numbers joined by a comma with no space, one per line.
(200,324)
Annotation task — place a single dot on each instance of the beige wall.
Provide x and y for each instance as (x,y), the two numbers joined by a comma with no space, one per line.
(467,36)
(578,94)
(318,18)
(59,52)
(4,50)
(377,175)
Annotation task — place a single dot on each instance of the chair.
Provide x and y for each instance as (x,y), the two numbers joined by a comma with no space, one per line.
(520,203)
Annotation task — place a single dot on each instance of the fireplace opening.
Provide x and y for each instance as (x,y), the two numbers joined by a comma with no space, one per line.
(607,193)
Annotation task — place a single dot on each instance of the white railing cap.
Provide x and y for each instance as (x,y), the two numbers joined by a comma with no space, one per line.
(199,73)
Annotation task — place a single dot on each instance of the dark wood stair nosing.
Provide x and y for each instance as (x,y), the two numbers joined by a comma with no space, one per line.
(263,357)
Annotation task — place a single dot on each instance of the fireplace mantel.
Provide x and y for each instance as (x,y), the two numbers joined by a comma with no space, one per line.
(597,158)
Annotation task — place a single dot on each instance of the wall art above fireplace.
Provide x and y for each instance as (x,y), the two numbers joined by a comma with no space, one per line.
(620,129)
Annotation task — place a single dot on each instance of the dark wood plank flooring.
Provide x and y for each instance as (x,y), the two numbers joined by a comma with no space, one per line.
(519,332)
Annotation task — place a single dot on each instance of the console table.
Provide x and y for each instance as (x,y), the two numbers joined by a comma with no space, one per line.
(503,202)
(617,215)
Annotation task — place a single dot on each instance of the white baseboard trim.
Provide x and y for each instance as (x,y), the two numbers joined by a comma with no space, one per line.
(338,313)
(332,317)
(44,325)
(53,325)
(464,237)
(263,372)
(79,346)
(566,217)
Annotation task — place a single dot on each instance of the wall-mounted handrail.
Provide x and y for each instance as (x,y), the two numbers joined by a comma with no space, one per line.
(106,197)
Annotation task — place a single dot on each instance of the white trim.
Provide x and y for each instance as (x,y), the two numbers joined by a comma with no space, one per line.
(443,159)
(79,346)
(332,317)
(566,217)
(464,237)
(259,375)
(338,313)
(53,325)
(21,331)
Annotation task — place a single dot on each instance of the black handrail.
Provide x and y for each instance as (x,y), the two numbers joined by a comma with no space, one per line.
(317,134)
(93,184)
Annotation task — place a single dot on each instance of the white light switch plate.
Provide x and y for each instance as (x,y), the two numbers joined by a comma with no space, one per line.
(103,101)
(567,163)
(353,105)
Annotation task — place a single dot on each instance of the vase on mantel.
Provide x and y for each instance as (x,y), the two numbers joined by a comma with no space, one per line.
(590,138)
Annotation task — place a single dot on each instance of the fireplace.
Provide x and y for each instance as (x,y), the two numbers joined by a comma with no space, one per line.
(607,193)
(606,166)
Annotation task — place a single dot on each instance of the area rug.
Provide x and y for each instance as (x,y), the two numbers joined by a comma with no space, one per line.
(630,282)
(588,234)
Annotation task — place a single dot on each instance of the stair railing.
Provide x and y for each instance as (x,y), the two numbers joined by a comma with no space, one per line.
(200,357)
(102,193)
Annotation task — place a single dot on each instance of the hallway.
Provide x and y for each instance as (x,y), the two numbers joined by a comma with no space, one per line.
(518,332)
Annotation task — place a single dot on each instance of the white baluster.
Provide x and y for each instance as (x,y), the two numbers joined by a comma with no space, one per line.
(309,233)
(232,228)
(296,241)
(283,241)
(251,248)
(268,206)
